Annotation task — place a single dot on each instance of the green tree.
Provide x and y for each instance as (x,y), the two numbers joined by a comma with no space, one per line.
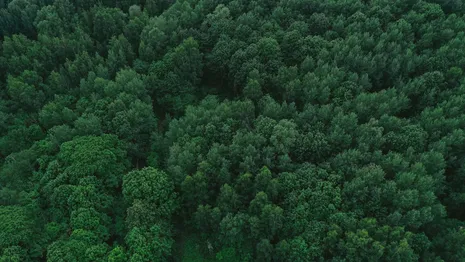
(107,22)
(17,228)
(153,186)
(174,79)
(154,244)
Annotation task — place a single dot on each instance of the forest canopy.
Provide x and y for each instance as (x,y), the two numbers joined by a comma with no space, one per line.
(217,130)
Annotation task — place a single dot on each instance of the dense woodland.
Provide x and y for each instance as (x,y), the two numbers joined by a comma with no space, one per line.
(216,130)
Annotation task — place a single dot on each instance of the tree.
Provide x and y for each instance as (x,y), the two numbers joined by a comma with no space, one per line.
(17,227)
(151,185)
(155,243)
(228,200)
(195,191)
(13,254)
(174,79)
(117,254)
(150,194)
(57,112)
(24,91)
(101,156)
(107,22)
(120,54)
(18,18)
(264,250)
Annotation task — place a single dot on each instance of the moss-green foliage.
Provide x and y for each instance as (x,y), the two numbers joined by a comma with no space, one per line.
(232,130)
(16,227)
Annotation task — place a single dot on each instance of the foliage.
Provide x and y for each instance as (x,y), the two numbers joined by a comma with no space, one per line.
(200,130)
